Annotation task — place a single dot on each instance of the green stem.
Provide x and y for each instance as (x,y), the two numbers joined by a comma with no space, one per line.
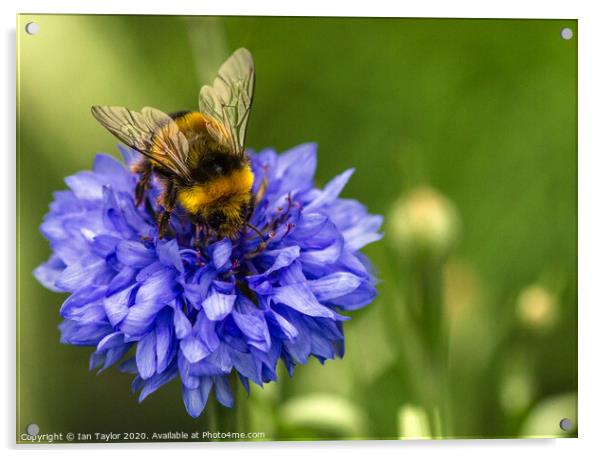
(212,416)
(429,283)
(240,406)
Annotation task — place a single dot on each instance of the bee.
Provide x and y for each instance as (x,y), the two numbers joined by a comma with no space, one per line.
(198,156)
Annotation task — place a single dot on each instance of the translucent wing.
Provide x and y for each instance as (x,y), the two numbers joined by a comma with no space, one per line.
(151,132)
(230,97)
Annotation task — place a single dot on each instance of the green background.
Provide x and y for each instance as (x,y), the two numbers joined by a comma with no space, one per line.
(484,111)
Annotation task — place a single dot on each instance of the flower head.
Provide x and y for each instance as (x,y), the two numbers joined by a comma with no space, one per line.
(163,309)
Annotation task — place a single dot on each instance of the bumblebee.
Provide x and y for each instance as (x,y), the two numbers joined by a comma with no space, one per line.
(198,156)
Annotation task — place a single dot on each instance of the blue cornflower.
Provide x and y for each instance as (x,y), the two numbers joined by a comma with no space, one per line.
(162,309)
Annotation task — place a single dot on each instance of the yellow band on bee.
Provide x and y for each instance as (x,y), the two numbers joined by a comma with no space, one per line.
(196,197)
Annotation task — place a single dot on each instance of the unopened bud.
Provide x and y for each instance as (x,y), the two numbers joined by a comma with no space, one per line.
(413,423)
(537,308)
(516,392)
(424,223)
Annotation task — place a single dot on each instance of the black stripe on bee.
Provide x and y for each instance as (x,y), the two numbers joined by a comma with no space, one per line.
(179,114)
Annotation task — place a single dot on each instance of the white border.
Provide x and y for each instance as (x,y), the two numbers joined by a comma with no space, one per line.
(590,222)
(508,8)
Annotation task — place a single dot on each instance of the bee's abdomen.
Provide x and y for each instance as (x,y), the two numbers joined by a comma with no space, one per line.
(232,189)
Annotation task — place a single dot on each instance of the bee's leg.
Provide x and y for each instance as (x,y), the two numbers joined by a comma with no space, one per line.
(164,223)
(168,201)
(144,169)
(262,243)
(257,231)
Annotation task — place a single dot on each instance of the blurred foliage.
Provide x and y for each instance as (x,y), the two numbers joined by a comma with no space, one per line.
(480,112)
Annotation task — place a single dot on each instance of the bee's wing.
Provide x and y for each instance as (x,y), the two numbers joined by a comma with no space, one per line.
(230,97)
(151,132)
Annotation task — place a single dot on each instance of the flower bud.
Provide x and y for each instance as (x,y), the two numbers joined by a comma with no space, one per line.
(324,412)
(424,223)
(413,423)
(537,308)
(516,392)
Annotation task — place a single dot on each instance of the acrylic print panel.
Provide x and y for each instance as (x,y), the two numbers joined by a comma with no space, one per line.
(363,229)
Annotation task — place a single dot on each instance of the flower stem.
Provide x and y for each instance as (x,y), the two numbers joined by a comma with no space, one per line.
(240,406)
(212,416)
(429,285)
